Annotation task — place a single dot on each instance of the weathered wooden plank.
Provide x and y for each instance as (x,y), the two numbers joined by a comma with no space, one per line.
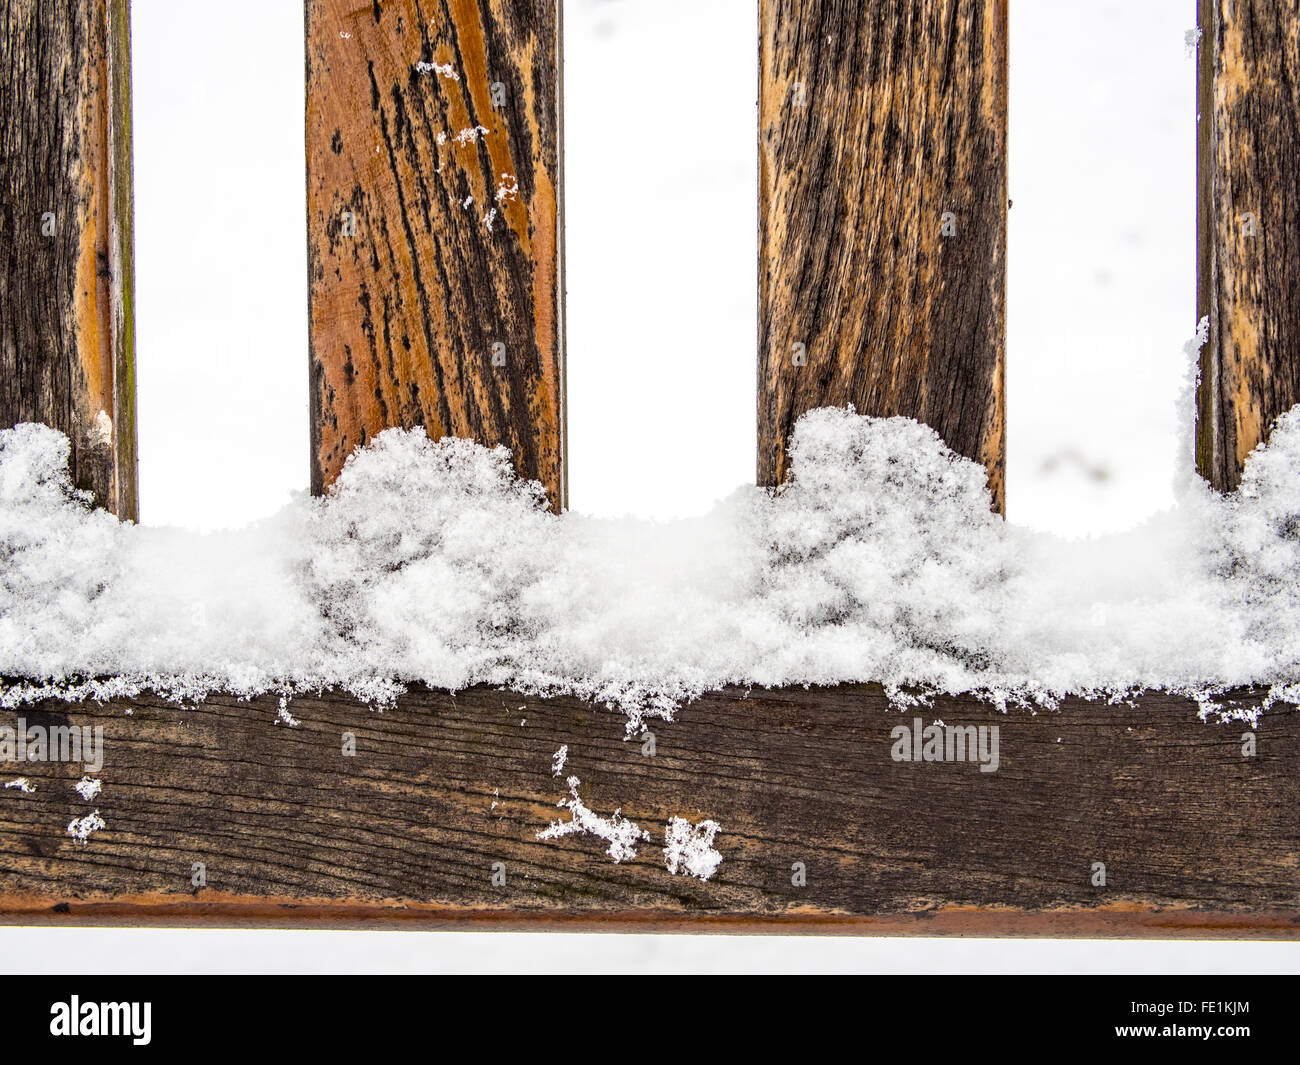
(882,213)
(1248,141)
(67,344)
(434,227)
(1197,837)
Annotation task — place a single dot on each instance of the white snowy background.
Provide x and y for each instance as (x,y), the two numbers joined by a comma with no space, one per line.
(661,333)
(660,128)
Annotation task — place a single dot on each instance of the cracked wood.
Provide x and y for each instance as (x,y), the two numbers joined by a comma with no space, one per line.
(434,228)
(1248,227)
(882,214)
(1198,839)
(67,344)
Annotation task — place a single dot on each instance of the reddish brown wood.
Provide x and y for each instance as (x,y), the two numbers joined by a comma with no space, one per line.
(434,222)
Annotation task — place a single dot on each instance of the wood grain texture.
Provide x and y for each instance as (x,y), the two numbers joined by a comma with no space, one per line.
(1197,839)
(434,227)
(880,120)
(67,345)
(1248,227)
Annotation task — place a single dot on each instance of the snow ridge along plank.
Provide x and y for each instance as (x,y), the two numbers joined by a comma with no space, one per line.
(67,340)
(882,218)
(1248,141)
(1098,820)
(434,227)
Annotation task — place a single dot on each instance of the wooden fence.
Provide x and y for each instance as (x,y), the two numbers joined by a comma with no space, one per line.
(435,232)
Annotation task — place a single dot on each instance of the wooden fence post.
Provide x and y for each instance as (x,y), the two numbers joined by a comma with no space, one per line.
(434,228)
(1248,232)
(67,342)
(882,213)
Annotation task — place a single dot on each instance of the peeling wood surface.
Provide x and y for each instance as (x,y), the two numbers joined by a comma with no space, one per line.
(1248,227)
(67,353)
(882,213)
(434,227)
(1197,839)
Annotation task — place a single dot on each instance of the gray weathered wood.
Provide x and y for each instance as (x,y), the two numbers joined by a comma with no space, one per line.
(67,344)
(882,214)
(1196,839)
(1248,227)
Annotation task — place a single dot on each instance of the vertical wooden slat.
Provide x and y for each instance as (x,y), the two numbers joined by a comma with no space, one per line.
(882,214)
(66,332)
(434,227)
(1248,227)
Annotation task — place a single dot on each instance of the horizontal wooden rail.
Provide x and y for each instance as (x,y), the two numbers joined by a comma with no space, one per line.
(434,820)
(67,333)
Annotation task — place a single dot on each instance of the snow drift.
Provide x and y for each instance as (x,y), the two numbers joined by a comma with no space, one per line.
(429,561)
